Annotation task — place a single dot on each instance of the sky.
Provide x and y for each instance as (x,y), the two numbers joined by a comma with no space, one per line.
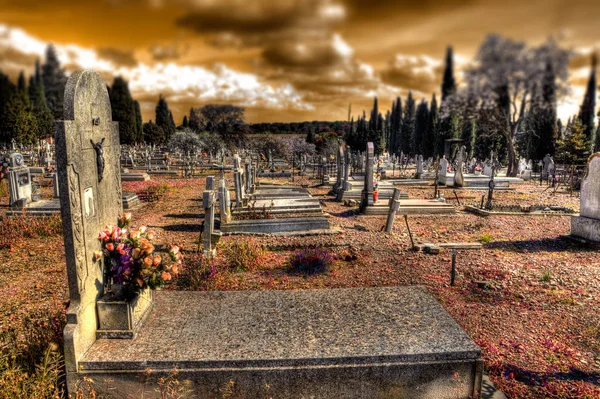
(286,60)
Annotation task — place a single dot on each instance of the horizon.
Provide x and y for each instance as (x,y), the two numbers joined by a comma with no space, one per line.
(290,61)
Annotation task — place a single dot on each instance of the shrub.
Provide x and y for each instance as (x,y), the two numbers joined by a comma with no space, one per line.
(485,238)
(547,277)
(199,273)
(243,255)
(311,261)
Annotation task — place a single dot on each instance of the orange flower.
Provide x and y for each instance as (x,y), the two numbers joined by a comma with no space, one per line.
(147,261)
(137,252)
(166,276)
(97,255)
(157,260)
(150,235)
(175,269)
(110,246)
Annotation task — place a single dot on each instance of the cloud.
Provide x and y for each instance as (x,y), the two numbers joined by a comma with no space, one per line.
(171,51)
(417,72)
(118,56)
(179,83)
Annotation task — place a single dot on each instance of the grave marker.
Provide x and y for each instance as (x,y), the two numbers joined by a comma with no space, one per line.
(90,197)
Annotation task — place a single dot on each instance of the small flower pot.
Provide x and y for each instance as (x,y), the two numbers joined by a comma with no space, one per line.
(120,318)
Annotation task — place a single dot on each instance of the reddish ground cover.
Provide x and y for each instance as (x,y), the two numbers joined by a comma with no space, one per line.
(528,298)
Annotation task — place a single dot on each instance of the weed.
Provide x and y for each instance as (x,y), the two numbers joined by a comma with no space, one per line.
(243,255)
(547,277)
(485,238)
(311,261)
(16,228)
(199,273)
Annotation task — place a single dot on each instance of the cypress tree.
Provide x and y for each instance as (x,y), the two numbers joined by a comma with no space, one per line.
(185,122)
(139,125)
(543,117)
(44,118)
(374,133)
(421,118)
(54,82)
(587,110)
(448,82)
(164,118)
(20,121)
(430,140)
(153,134)
(408,125)
(123,110)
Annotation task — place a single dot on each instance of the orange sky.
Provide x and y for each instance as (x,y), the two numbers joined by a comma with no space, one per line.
(285,60)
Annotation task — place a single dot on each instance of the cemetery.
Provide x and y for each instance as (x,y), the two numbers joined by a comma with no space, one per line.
(426,251)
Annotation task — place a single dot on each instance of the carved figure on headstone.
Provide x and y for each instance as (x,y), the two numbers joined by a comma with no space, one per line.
(99,158)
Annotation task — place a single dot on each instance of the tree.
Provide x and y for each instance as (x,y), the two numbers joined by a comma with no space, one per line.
(421,119)
(164,118)
(574,149)
(123,110)
(541,121)
(211,142)
(139,125)
(186,141)
(44,119)
(185,123)
(587,109)
(395,127)
(430,140)
(502,79)
(20,119)
(226,120)
(153,134)
(375,132)
(7,91)
(408,125)
(54,82)
(448,82)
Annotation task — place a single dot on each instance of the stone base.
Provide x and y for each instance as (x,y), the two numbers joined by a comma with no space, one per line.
(411,207)
(131,201)
(276,226)
(135,177)
(280,206)
(389,342)
(119,319)
(39,208)
(275,174)
(586,228)
(163,172)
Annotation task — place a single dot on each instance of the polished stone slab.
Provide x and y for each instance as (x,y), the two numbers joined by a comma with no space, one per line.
(355,342)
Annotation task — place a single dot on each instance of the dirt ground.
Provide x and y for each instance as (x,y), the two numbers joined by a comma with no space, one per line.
(529,299)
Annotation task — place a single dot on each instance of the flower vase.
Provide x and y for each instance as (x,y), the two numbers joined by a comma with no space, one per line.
(121,312)
(375,196)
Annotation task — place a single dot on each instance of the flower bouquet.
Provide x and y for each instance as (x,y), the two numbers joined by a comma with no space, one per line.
(130,261)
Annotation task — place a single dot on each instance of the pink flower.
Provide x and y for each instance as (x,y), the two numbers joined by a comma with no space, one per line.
(143,229)
(97,255)
(120,248)
(102,236)
(110,246)
(150,235)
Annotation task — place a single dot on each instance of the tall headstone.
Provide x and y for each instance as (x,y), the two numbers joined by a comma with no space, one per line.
(546,166)
(367,193)
(587,224)
(208,202)
(459,180)
(87,156)
(443,165)
(419,166)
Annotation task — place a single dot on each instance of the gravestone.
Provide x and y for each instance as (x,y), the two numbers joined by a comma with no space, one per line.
(419,166)
(587,224)
(459,179)
(87,156)
(546,166)
(367,193)
(208,202)
(19,182)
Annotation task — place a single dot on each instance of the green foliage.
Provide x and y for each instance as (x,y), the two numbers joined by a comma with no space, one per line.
(421,122)
(431,132)
(587,110)
(211,142)
(226,120)
(243,255)
(124,111)
(153,133)
(448,82)
(31,364)
(408,125)
(164,119)
(20,122)
(186,141)
(546,277)
(485,238)
(54,79)
(574,149)
(264,144)
(44,118)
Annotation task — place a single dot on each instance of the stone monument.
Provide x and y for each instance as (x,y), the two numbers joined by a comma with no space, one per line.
(87,156)
(367,193)
(19,181)
(587,224)
(459,180)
